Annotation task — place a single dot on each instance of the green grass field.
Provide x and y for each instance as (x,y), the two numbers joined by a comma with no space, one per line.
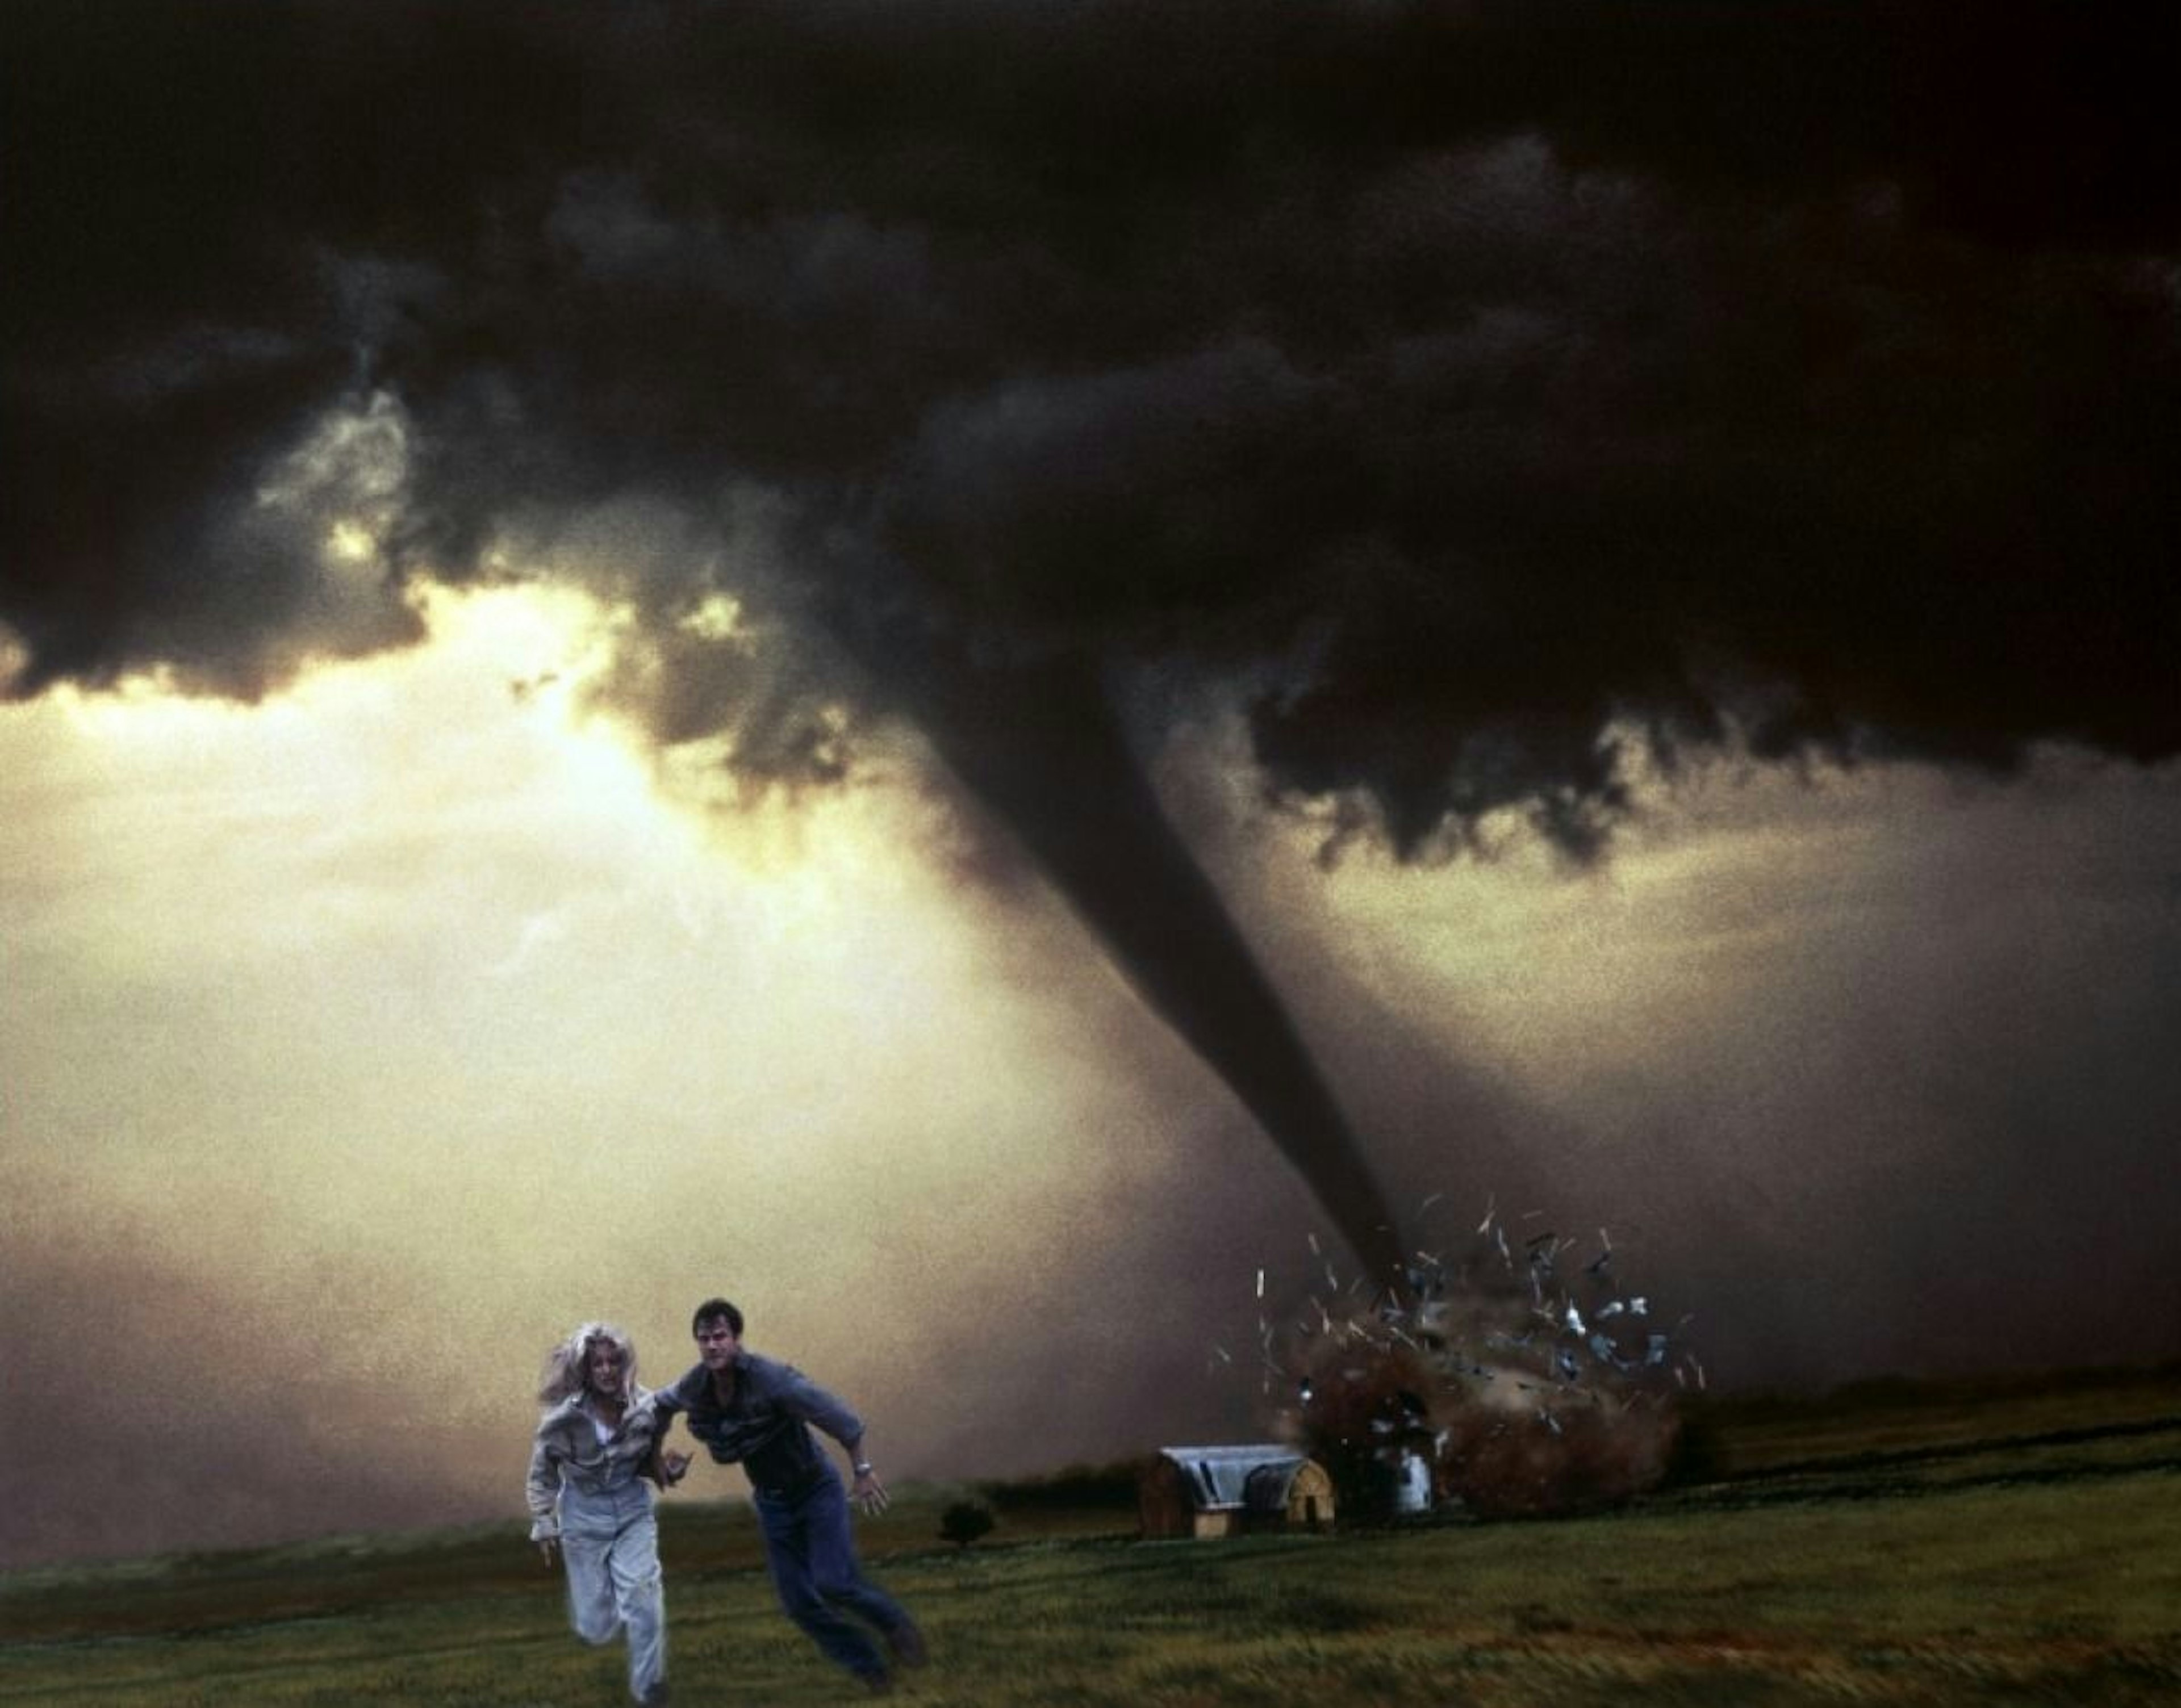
(2016,1545)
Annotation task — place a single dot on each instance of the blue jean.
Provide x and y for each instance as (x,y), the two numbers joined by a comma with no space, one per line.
(813,1558)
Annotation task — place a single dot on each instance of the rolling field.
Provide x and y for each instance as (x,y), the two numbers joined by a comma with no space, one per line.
(1891,1545)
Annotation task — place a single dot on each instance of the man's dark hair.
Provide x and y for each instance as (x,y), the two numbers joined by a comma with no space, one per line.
(711,1310)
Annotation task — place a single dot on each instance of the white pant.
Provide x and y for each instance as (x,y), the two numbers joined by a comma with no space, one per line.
(610,1543)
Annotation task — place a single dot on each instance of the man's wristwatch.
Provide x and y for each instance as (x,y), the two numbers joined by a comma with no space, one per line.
(863,1468)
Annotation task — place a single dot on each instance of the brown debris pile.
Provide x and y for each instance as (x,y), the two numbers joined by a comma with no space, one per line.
(1490,1380)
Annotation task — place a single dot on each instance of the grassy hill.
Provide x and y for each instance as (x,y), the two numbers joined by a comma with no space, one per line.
(1999,1542)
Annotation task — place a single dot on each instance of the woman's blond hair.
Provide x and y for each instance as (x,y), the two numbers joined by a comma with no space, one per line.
(568,1365)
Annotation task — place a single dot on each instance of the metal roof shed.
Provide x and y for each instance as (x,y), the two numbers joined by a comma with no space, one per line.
(1223,1490)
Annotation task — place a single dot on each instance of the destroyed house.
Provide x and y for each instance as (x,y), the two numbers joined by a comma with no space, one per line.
(1221,1492)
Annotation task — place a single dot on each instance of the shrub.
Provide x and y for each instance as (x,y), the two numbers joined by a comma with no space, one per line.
(963,1522)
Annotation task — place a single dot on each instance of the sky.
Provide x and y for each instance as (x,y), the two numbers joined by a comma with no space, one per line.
(965,671)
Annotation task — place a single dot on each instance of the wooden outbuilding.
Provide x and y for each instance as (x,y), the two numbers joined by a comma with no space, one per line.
(1222,1491)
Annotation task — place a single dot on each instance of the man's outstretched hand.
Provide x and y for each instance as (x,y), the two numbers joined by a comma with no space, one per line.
(870,1493)
(546,1547)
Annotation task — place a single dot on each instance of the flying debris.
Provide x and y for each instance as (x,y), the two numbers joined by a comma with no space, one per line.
(1516,1399)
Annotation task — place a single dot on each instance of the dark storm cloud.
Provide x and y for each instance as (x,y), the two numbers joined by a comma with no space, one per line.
(1508,367)
(1474,378)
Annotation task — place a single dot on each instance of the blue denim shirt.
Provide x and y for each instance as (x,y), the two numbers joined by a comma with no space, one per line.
(766,1426)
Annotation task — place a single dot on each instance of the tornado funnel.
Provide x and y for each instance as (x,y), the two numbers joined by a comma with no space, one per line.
(1039,746)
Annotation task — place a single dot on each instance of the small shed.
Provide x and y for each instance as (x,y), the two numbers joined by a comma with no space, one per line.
(1222,1491)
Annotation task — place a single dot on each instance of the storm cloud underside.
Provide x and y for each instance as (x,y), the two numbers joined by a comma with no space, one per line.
(1501,369)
